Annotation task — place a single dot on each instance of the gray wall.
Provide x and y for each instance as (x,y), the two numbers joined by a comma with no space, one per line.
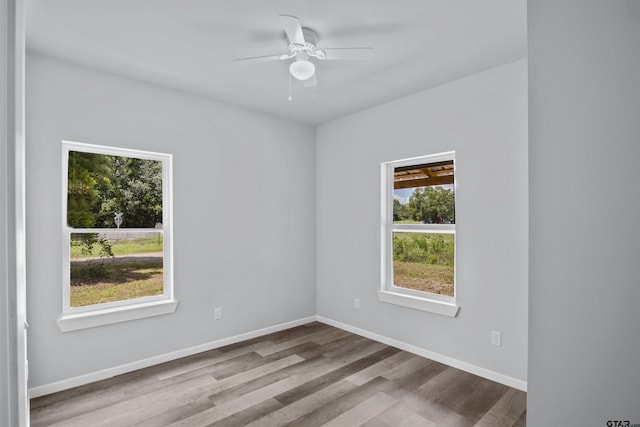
(484,118)
(244,214)
(584,91)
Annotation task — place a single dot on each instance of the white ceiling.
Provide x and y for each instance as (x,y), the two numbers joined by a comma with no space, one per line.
(190,45)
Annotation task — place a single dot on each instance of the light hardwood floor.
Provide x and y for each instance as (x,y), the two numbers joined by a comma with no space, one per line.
(311,375)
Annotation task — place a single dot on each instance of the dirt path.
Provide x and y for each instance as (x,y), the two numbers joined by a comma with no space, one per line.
(121,259)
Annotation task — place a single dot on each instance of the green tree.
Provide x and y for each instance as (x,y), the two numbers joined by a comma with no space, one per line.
(434,205)
(85,180)
(99,185)
(142,193)
(85,173)
(400,211)
(397,207)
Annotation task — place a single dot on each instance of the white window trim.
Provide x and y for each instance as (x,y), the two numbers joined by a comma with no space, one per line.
(74,318)
(389,293)
(91,319)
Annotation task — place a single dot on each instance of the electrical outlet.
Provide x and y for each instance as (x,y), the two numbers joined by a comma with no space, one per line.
(356,303)
(496,338)
(217,313)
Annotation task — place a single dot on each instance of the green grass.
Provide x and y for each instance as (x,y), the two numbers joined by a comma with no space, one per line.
(424,262)
(430,248)
(407,221)
(97,283)
(124,247)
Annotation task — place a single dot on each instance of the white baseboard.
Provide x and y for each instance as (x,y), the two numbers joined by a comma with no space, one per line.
(155,360)
(468,367)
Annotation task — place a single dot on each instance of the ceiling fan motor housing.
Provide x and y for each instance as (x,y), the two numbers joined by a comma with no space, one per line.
(309,47)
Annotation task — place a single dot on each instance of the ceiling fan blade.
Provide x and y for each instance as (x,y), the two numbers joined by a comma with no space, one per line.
(311,81)
(352,53)
(292,27)
(261,58)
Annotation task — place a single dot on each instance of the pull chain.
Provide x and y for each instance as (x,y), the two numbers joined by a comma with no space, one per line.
(290,98)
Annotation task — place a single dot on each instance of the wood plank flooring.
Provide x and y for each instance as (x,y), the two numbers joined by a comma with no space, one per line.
(311,375)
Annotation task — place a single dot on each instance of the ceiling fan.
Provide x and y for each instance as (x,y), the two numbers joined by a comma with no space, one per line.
(302,48)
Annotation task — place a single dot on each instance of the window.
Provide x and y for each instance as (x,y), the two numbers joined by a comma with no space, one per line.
(419,233)
(117,251)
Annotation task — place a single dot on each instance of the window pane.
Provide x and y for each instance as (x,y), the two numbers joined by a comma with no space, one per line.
(424,262)
(424,194)
(115,266)
(107,191)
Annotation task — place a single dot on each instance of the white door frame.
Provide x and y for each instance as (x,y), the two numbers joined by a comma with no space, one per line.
(13,280)
(20,212)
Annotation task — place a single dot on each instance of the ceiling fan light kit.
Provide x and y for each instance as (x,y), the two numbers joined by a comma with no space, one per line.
(303,46)
(302,68)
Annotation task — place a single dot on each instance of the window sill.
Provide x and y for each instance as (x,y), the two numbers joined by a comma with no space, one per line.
(91,319)
(424,304)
